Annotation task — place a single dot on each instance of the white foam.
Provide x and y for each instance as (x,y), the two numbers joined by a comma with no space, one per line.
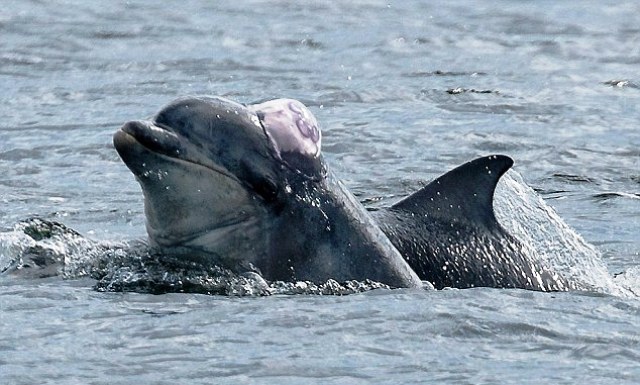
(547,237)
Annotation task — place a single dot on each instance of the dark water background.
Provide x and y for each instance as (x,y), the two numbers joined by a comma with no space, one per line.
(403,91)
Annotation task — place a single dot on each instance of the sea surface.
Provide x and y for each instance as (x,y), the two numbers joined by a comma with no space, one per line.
(403,91)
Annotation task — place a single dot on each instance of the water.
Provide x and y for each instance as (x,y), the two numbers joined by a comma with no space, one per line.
(403,91)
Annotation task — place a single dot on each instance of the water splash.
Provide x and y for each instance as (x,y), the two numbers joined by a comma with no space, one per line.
(37,248)
(629,280)
(148,273)
(536,224)
(141,271)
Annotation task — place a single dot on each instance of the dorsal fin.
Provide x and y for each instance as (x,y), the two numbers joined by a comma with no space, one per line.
(464,194)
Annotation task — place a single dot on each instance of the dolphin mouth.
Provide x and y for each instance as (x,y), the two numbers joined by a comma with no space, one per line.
(139,136)
(155,138)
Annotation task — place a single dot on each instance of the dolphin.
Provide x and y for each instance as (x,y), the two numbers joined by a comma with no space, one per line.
(246,187)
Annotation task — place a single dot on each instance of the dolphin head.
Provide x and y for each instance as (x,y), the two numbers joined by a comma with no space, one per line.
(213,171)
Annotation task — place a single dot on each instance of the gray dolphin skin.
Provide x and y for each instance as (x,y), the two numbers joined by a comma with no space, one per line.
(450,236)
(246,187)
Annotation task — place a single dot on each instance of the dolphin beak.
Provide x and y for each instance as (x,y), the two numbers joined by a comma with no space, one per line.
(147,134)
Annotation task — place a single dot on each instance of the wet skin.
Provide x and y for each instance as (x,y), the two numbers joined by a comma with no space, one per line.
(246,187)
